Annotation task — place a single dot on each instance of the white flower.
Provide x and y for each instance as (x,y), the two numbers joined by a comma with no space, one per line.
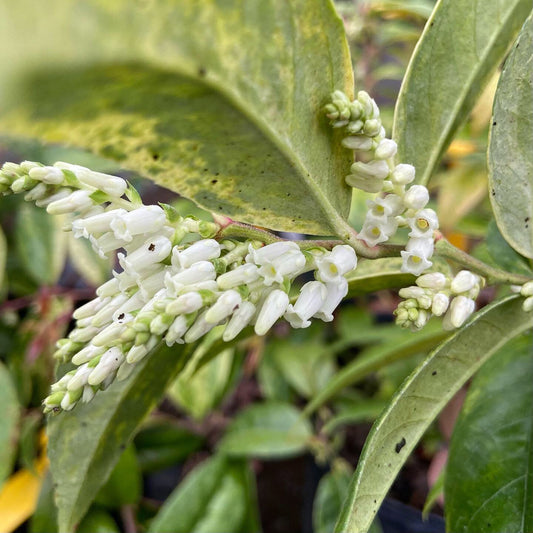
(365,184)
(416,197)
(109,288)
(104,315)
(335,264)
(79,379)
(415,256)
(185,304)
(153,251)
(440,304)
(403,174)
(109,363)
(37,193)
(223,307)
(383,208)
(59,195)
(239,320)
(527,289)
(273,308)
(527,305)
(423,224)
(83,227)
(270,252)
(48,175)
(197,273)
(151,284)
(83,334)
(134,303)
(241,275)
(460,309)
(386,149)
(109,334)
(433,280)
(375,231)
(412,292)
(357,142)
(335,293)
(199,328)
(90,308)
(377,170)
(106,243)
(202,250)
(289,264)
(464,281)
(87,353)
(310,301)
(136,353)
(145,219)
(112,185)
(76,201)
(177,329)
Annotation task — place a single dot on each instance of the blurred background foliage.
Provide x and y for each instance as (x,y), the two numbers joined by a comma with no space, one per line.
(329,382)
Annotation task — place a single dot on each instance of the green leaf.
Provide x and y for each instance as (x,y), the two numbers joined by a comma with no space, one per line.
(330,494)
(360,411)
(163,444)
(218,101)
(8,423)
(404,345)
(511,138)
(271,382)
(268,430)
(124,484)
(3,257)
(306,364)
(462,43)
(202,392)
(87,262)
(44,517)
(41,244)
(212,496)
(502,254)
(489,476)
(377,274)
(85,444)
(419,400)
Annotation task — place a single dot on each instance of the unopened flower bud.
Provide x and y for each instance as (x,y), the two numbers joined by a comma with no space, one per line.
(416,197)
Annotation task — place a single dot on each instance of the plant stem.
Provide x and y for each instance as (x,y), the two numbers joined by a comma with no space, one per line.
(494,276)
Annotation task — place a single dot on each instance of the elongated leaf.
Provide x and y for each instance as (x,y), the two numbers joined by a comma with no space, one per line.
(266,430)
(45,516)
(489,476)
(218,100)
(41,244)
(360,411)
(8,423)
(511,138)
(418,402)
(462,43)
(3,254)
(405,345)
(210,499)
(502,254)
(85,444)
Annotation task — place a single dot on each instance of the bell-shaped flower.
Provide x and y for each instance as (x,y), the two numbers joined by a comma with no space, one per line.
(383,208)
(273,307)
(423,224)
(202,250)
(96,224)
(48,175)
(309,301)
(433,280)
(270,252)
(376,231)
(289,264)
(197,273)
(105,315)
(460,309)
(333,265)
(241,317)
(377,170)
(145,219)
(416,197)
(464,281)
(185,304)
(223,307)
(386,149)
(403,174)
(112,185)
(76,201)
(154,250)
(336,291)
(415,256)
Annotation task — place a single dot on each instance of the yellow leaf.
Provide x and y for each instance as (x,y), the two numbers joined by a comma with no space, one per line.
(19,495)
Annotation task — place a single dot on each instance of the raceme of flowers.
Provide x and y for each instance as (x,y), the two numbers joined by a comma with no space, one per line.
(439,295)
(374,171)
(175,283)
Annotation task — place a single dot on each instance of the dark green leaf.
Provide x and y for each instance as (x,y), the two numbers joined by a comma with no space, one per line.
(98,521)
(266,430)
(29,439)
(44,517)
(162,444)
(462,43)
(489,475)
(418,402)
(8,423)
(41,244)
(218,101)
(211,498)
(511,138)
(85,444)
(502,254)
(271,382)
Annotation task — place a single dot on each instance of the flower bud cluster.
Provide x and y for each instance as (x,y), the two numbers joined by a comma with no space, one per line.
(175,286)
(62,188)
(437,294)
(374,171)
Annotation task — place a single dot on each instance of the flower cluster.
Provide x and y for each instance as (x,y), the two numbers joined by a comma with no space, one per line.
(437,294)
(175,283)
(374,171)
